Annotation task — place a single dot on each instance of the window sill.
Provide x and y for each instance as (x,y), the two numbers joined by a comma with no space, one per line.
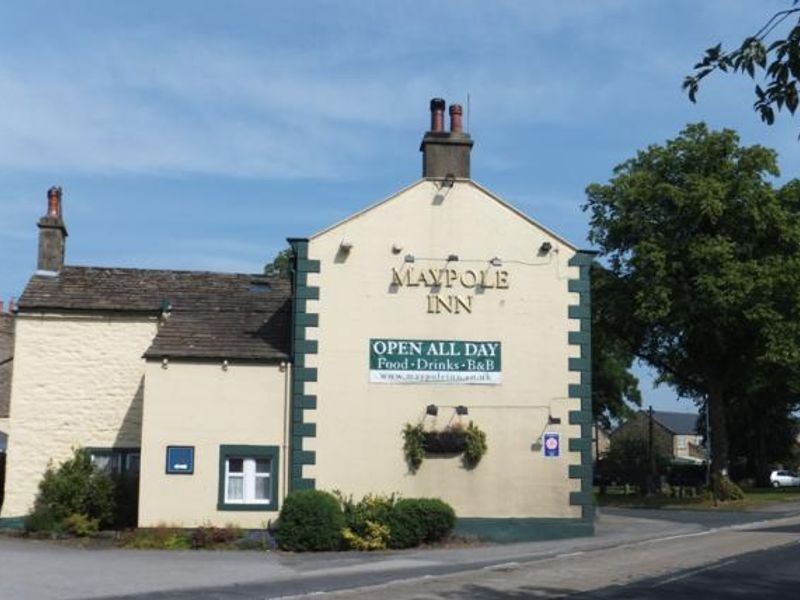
(272,506)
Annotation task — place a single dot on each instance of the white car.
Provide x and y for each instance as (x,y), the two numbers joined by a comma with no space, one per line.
(784,479)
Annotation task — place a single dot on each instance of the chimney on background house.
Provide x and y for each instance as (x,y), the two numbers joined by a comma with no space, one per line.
(446,153)
(52,234)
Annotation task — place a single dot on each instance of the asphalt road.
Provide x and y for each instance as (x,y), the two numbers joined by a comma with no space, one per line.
(706,518)
(772,573)
(627,548)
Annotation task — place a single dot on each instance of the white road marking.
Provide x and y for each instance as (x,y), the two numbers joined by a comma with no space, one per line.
(693,573)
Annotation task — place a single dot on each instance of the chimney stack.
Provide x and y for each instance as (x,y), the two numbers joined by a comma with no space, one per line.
(52,234)
(446,153)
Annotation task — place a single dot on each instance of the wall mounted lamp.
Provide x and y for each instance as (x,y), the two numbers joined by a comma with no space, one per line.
(410,258)
(452,258)
(346,245)
(462,410)
(225,364)
(545,247)
(432,410)
(496,262)
(551,420)
(449,180)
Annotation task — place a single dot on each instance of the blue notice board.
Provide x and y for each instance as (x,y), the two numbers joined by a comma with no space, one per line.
(552,445)
(180,460)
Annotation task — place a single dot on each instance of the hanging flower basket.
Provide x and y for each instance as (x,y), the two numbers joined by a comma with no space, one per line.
(448,441)
(469,442)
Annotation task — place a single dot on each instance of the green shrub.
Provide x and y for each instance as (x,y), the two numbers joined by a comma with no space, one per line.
(367,521)
(42,520)
(724,489)
(375,536)
(74,488)
(414,521)
(81,525)
(310,520)
(208,536)
(163,537)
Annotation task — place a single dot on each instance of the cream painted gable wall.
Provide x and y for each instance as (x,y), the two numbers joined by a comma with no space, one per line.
(358,441)
(78,380)
(205,406)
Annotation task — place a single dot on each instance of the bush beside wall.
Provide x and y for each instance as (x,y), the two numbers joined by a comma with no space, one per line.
(73,497)
(310,520)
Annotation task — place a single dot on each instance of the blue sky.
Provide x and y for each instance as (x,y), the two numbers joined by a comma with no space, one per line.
(199,135)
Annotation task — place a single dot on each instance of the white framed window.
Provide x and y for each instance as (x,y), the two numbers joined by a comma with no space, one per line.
(248,478)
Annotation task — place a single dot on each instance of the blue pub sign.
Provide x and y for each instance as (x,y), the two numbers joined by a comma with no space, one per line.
(551,445)
(180,460)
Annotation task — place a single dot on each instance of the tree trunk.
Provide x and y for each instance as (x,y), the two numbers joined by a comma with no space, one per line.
(719,431)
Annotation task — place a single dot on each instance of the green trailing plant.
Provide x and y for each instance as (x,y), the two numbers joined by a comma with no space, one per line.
(475,447)
(413,445)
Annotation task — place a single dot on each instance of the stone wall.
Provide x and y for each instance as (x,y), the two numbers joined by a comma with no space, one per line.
(6,361)
(77,381)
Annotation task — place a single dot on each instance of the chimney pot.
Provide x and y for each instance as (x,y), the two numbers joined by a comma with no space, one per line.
(54,202)
(456,125)
(437,114)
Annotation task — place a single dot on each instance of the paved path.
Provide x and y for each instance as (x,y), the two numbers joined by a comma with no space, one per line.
(40,570)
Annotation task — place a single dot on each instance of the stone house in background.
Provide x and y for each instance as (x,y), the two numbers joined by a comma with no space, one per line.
(675,434)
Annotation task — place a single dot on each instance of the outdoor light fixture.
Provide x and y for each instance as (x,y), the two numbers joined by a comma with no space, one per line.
(551,420)
(397,248)
(225,364)
(496,262)
(462,410)
(452,258)
(449,180)
(545,247)
(432,410)
(346,245)
(410,258)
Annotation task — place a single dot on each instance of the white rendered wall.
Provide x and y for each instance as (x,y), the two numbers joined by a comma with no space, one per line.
(204,406)
(358,443)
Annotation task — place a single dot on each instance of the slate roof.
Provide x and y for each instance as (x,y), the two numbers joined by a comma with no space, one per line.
(212,315)
(678,423)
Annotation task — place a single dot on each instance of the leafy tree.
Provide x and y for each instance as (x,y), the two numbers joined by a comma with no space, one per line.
(281,264)
(705,255)
(778,58)
(615,390)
